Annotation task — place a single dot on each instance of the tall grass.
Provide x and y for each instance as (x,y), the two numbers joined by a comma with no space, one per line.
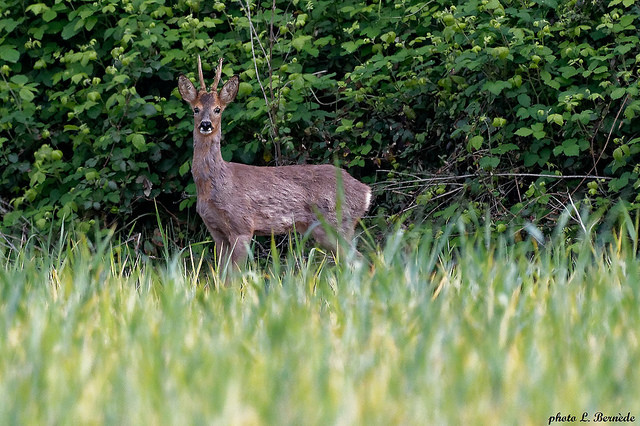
(488,331)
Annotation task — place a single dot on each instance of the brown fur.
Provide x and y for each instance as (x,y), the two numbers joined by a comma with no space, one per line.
(236,201)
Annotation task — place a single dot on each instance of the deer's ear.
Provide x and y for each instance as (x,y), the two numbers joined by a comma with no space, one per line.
(187,89)
(229,90)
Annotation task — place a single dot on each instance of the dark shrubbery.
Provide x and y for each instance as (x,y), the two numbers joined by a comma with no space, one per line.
(482,95)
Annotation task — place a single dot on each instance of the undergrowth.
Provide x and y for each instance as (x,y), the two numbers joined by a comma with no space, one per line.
(432,327)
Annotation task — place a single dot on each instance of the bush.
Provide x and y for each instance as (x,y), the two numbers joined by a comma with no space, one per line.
(92,129)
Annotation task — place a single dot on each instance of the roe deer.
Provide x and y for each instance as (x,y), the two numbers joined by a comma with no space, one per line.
(236,201)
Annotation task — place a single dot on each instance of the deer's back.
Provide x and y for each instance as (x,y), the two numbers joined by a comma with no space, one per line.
(275,199)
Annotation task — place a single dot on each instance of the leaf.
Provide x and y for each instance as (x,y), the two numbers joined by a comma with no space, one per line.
(489,163)
(618,154)
(618,92)
(8,25)
(388,37)
(323,41)
(539,135)
(37,8)
(297,82)
(621,49)
(91,22)
(358,161)
(49,15)
(70,30)
(496,87)
(244,89)
(548,80)
(600,69)
(538,131)
(571,148)
(617,184)
(351,46)
(523,113)
(524,100)
(555,118)
(498,122)
(37,177)
(524,131)
(19,79)
(568,71)
(626,20)
(476,142)
(346,125)
(584,117)
(149,109)
(504,148)
(9,54)
(499,52)
(184,168)
(138,142)
(186,203)
(26,94)
(537,127)
(300,42)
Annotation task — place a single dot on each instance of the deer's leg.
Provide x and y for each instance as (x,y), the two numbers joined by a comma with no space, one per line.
(348,230)
(222,249)
(340,245)
(223,259)
(223,252)
(323,238)
(240,247)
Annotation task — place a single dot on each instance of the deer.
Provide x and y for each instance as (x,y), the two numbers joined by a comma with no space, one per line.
(237,201)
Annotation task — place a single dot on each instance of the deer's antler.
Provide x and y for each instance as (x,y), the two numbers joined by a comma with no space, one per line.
(202,85)
(214,88)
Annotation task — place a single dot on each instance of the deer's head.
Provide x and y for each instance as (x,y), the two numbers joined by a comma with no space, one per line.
(208,105)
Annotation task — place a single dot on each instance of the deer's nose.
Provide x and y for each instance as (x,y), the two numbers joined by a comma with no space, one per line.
(206,127)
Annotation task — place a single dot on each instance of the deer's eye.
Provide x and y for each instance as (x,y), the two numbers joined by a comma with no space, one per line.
(217,110)
(196,110)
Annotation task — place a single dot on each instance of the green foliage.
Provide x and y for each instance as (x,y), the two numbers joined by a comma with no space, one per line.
(92,128)
(482,332)
(540,87)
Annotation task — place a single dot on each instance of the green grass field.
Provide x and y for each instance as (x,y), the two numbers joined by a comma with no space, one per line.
(486,332)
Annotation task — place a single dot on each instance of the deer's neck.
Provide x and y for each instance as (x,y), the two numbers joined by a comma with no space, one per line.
(208,167)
